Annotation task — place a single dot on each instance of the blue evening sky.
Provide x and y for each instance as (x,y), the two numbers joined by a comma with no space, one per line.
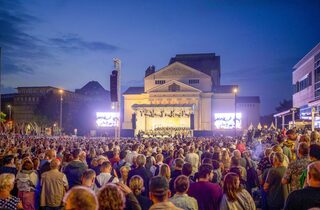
(66,43)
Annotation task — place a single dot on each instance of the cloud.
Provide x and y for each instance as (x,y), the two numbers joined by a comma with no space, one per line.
(20,49)
(73,42)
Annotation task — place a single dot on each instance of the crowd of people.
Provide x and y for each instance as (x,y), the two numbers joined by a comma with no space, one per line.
(166,132)
(269,170)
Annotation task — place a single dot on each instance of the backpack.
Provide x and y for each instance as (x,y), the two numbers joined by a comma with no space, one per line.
(98,183)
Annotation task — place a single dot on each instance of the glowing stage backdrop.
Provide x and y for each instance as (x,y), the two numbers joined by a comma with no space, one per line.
(107,119)
(226,120)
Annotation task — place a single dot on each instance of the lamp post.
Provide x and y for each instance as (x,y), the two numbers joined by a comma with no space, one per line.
(9,107)
(61,100)
(235,91)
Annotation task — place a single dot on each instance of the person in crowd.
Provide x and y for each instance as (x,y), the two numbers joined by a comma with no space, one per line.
(110,197)
(296,167)
(122,162)
(165,171)
(225,159)
(234,196)
(8,165)
(133,154)
(124,173)
(81,198)
(75,169)
(160,193)
(206,193)
(308,197)
(142,172)
(54,185)
(105,176)
(113,197)
(156,168)
(283,144)
(237,155)
(27,180)
(286,160)
(264,163)
(314,155)
(137,187)
(276,192)
(193,158)
(7,201)
(88,177)
(181,198)
(177,171)
(235,166)
(49,156)
(187,171)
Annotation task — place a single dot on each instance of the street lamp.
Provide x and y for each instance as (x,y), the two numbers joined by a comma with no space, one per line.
(61,100)
(235,91)
(9,107)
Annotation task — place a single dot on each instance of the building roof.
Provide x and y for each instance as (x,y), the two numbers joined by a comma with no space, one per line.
(204,62)
(248,99)
(224,88)
(92,88)
(308,56)
(134,90)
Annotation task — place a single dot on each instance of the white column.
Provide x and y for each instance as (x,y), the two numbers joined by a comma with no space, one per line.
(282,121)
(312,118)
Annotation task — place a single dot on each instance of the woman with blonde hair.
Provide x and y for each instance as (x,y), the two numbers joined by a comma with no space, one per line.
(7,201)
(234,196)
(137,186)
(165,171)
(110,197)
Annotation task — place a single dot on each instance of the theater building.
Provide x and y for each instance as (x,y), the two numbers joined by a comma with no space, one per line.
(186,94)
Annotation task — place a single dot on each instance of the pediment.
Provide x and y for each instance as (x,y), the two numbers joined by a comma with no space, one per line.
(174,86)
(179,70)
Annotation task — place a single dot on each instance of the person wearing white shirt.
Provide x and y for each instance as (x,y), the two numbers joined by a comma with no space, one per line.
(105,176)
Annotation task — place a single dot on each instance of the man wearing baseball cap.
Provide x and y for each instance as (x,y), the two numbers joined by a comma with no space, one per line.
(159,193)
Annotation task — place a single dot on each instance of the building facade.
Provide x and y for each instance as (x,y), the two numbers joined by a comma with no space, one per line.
(180,96)
(306,84)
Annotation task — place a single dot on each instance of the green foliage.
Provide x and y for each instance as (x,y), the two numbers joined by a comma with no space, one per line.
(2,117)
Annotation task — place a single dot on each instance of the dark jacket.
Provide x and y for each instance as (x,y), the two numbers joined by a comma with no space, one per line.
(74,171)
(145,175)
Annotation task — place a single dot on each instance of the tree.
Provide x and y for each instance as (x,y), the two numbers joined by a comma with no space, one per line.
(2,117)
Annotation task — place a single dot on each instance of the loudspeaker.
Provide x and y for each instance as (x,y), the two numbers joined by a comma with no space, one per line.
(191,121)
(114,86)
(134,119)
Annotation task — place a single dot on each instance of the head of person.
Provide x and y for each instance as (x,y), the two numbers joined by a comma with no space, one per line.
(76,153)
(313,176)
(291,134)
(110,197)
(159,189)
(105,167)
(181,184)
(9,159)
(51,154)
(124,171)
(205,172)
(231,185)
(55,164)
(303,150)
(141,160)
(267,152)
(136,185)
(6,182)
(159,158)
(235,161)
(123,154)
(165,171)
(88,177)
(27,165)
(237,154)
(81,198)
(314,152)
(207,161)
(276,158)
(178,164)
(187,169)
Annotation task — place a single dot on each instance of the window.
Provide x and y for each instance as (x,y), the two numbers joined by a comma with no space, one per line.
(304,83)
(193,81)
(174,87)
(159,82)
